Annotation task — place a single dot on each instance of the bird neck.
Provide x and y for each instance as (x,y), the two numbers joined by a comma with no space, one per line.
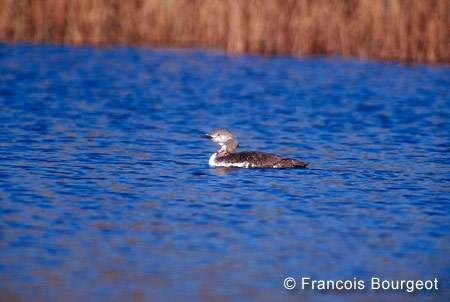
(228,147)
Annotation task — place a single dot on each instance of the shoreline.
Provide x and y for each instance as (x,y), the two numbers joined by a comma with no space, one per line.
(407,31)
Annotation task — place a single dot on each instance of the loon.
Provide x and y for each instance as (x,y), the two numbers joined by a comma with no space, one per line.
(227,157)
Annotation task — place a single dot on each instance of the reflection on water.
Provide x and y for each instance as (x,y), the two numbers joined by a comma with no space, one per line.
(223,171)
(106,192)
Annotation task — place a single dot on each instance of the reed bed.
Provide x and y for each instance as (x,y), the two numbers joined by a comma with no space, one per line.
(407,30)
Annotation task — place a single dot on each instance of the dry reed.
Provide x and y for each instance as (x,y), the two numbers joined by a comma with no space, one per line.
(407,30)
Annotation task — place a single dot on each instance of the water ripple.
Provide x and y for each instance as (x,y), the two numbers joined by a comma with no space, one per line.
(105,187)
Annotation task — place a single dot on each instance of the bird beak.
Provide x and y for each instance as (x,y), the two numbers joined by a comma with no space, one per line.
(207,136)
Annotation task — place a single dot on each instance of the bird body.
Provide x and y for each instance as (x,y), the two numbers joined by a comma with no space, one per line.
(227,157)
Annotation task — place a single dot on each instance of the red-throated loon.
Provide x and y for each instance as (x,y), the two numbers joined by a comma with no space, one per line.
(226,157)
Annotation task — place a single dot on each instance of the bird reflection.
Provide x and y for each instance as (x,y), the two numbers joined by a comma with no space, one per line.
(222,171)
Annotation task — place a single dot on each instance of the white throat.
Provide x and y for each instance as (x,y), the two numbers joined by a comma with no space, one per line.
(223,149)
(212,160)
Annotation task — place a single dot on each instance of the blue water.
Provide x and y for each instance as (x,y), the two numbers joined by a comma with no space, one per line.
(106,193)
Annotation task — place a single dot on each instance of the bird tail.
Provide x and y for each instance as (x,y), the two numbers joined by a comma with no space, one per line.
(293,163)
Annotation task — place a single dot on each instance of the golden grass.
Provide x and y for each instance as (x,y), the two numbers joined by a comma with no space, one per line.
(408,30)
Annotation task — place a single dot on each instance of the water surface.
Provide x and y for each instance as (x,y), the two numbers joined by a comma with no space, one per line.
(106,193)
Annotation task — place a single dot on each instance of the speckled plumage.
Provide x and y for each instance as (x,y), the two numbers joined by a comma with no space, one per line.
(256,159)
